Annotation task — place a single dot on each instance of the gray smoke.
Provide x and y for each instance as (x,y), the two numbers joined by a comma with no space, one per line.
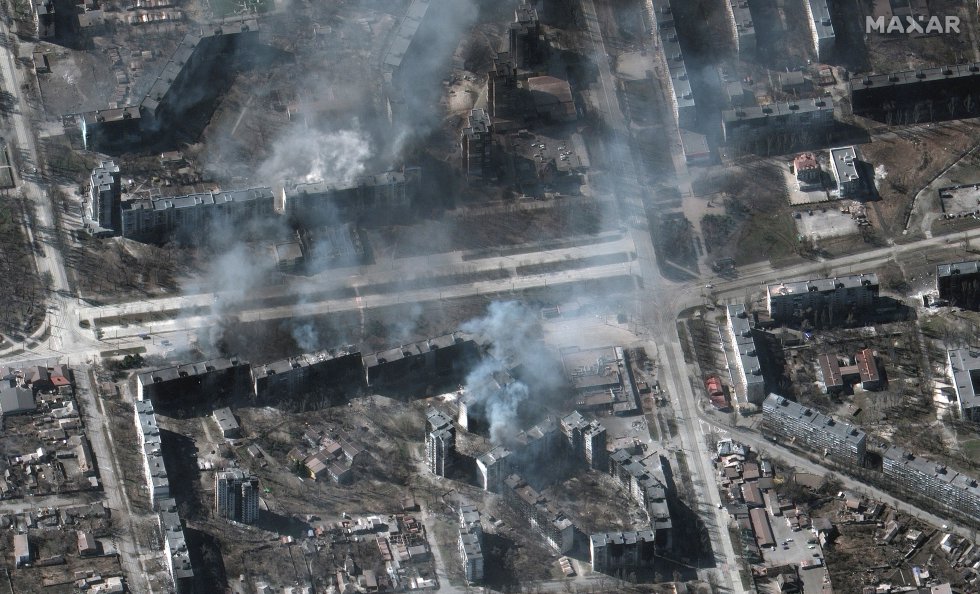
(513,332)
(307,154)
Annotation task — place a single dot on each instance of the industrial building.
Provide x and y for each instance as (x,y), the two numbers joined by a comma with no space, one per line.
(602,379)
(170,99)
(541,514)
(761,123)
(22,550)
(810,430)
(311,373)
(743,29)
(476,142)
(846,173)
(612,551)
(216,378)
(957,494)
(914,96)
(471,543)
(236,496)
(959,284)
(105,194)
(964,370)
(587,440)
(836,298)
(435,359)
(15,396)
(526,46)
(837,378)
(821,28)
(747,375)
(440,442)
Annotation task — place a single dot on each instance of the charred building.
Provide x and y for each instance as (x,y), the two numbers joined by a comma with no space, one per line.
(216,378)
(630,550)
(323,372)
(914,96)
(178,92)
(156,219)
(541,514)
(368,200)
(959,284)
(438,359)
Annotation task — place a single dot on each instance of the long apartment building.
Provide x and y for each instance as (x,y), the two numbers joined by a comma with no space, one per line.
(649,482)
(678,81)
(750,124)
(743,29)
(958,494)
(296,376)
(216,377)
(810,430)
(471,543)
(541,514)
(838,297)
(964,370)
(821,28)
(747,371)
(158,484)
(440,442)
(918,95)
(612,551)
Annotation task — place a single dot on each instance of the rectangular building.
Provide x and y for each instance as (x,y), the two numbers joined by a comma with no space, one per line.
(297,377)
(751,124)
(435,359)
(226,423)
(844,161)
(958,495)
(471,543)
(914,96)
(814,431)
(236,496)
(821,28)
(959,284)
(22,550)
(964,371)
(541,514)
(679,83)
(612,551)
(222,378)
(763,531)
(440,442)
(833,298)
(493,467)
(743,29)
(105,195)
(476,142)
(748,369)
(587,440)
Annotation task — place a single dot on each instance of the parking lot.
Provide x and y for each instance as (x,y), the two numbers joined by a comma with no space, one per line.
(795,548)
(825,222)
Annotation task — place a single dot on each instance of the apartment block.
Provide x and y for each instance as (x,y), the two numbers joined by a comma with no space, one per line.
(835,298)
(758,123)
(471,543)
(959,284)
(921,95)
(956,493)
(236,496)
(649,481)
(814,431)
(154,471)
(541,514)
(612,551)
(821,28)
(587,440)
(964,370)
(440,442)
(743,29)
(524,37)
(208,379)
(105,194)
(493,467)
(175,547)
(747,372)
(311,373)
(438,358)
(678,81)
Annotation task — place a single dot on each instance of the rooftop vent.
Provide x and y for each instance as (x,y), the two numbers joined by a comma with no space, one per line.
(920,74)
(892,78)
